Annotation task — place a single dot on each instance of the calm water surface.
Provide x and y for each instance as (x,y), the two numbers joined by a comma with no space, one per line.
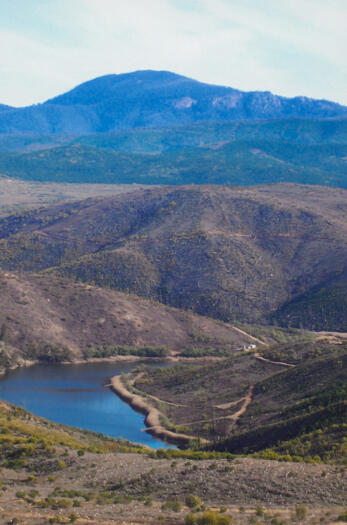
(76,395)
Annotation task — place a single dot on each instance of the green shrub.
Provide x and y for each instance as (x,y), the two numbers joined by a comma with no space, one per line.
(300,512)
(32,478)
(259,510)
(190,519)
(213,518)
(193,501)
(172,505)
(63,504)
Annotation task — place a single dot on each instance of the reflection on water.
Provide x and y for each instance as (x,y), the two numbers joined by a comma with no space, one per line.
(77,395)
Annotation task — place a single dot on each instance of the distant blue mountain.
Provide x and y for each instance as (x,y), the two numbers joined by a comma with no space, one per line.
(3,107)
(152,99)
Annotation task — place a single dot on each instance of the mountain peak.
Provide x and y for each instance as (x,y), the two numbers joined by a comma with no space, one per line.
(121,85)
(153,99)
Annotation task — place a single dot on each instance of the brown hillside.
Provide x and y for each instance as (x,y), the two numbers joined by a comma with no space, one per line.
(38,310)
(231,253)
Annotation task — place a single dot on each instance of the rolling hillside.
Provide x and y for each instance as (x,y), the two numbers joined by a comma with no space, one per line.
(240,163)
(248,403)
(309,131)
(53,320)
(229,253)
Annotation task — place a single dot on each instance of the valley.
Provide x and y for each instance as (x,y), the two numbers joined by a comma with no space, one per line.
(17,194)
(201,276)
(173,266)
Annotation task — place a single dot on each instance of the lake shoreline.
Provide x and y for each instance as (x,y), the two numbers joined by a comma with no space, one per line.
(136,402)
(23,363)
(79,396)
(115,359)
(152,415)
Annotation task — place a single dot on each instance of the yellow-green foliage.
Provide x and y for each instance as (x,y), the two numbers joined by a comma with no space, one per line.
(23,436)
(191,454)
(209,517)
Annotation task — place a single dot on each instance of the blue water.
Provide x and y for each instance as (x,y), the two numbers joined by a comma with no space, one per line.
(77,395)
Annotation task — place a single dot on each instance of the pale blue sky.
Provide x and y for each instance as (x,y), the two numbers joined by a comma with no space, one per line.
(289,47)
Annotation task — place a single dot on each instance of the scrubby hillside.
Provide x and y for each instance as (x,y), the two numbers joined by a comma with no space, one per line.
(261,402)
(41,481)
(234,254)
(51,319)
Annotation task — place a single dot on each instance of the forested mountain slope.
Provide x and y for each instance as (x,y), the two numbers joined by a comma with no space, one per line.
(241,163)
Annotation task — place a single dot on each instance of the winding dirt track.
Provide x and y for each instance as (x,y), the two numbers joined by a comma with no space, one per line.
(247,400)
(152,419)
(153,415)
(280,363)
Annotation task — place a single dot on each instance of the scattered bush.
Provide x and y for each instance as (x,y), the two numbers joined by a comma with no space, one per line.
(300,512)
(110,351)
(210,517)
(193,501)
(175,506)
(190,519)
(259,510)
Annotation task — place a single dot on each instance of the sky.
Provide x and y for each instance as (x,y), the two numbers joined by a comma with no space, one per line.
(289,47)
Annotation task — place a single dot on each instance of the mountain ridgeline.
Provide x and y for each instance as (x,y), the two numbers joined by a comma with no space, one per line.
(154,99)
(230,256)
(233,254)
(156,127)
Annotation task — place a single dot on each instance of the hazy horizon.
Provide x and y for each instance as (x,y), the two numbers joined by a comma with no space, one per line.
(291,49)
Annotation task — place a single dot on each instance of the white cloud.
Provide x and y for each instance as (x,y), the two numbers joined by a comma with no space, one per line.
(292,47)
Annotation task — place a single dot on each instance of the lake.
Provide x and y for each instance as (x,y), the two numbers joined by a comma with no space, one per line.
(77,395)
